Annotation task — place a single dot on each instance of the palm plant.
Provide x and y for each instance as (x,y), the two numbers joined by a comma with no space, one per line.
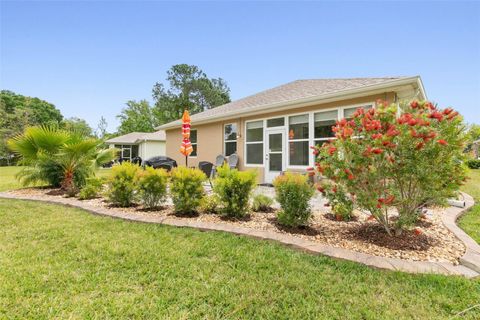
(58,157)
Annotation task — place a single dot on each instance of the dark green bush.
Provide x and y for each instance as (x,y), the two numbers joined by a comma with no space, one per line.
(234,189)
(293,192)
(186,188)
(92,189)
(152,186)
(121,184)
(262,203)
(473,163)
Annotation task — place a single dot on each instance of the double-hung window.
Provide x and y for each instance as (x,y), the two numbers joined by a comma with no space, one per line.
(298,140)
(193,140)
(323,123)
(230,139)
(254,142)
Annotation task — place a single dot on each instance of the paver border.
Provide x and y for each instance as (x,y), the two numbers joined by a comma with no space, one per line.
(469,263)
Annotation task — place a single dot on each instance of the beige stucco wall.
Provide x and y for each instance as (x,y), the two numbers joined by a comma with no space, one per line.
(210,136)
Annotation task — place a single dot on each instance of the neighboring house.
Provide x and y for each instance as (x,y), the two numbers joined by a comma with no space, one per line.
(139,144)
(273,130)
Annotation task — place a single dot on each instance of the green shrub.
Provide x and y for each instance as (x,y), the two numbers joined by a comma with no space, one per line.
(234,189)
(293,192)
(262,203)
(121,184)
(152,186)
(92,189)
(186,188)
(340,201)
(473,163)
(209,204)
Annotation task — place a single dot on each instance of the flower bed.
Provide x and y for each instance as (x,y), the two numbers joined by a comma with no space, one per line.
(434,242)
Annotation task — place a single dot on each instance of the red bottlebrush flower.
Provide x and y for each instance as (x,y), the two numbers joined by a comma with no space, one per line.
(334,189)
(310,169)
(414,104)
(379,205)
(321,189)
(431,134)
(417,231)
(311,173)
(331,150)
(452,115)
(430,106)
(377,150)
(377,136)
(413,133)
(392,132)
(391,159)
(315,152)
(419,145)
(350,177)
(447,111)
(436,115)
(442,142)
(389,199)
(367,151)
(412,122)
(342,122)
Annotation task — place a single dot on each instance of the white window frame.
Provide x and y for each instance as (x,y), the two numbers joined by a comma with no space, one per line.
(225,141)
(311,132)
(258,165)
(196,143)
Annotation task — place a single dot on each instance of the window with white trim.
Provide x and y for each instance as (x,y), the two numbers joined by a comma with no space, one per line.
(298,140)
(348,112)
(230,139)
(254,142)
(193,140)
(323,123)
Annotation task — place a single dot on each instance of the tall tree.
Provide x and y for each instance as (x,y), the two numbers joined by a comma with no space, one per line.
(188,88)
(101,130)
(137,117)
(18,112)
(78,125)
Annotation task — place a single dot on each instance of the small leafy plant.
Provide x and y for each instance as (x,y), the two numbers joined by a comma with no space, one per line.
(209,204)
(339,200)
(121,184)
(234,189)
(473,163)
(92,189)
(293,192)
(152,186)
(186,189)
(262,203)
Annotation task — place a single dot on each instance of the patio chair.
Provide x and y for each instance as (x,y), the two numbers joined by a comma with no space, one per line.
(219,161)
(206,168)
(233,161)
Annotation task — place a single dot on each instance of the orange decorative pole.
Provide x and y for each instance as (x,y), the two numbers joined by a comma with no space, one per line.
(186,147)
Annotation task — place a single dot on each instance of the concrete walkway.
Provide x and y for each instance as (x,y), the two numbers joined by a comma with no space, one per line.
(469,263)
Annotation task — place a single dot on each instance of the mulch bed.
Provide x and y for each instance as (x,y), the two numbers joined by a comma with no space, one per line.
(434,242)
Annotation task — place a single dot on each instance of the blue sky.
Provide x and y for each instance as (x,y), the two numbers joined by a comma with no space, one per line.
(89,58)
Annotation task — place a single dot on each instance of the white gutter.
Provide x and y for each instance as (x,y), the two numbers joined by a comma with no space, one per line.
(324,98)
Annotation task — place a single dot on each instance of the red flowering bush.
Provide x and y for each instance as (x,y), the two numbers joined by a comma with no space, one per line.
(407,161)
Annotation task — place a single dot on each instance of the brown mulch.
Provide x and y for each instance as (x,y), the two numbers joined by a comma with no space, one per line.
(433,242)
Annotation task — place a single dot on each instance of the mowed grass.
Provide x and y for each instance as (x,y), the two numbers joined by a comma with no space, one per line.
(59,262)
(9,182)
(470,222)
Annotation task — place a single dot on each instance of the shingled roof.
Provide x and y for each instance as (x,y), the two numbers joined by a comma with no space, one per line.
(289,93)
(136,137)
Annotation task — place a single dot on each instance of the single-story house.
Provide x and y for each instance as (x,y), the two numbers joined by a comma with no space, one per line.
(139,144)
(272,131)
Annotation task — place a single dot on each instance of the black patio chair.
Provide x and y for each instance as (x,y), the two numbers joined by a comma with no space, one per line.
(207,168)
(233,161)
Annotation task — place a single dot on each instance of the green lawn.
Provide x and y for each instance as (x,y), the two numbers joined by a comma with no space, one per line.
(8,181)
(470,222)
(58,262)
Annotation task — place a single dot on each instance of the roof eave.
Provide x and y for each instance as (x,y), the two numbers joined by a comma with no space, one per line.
(324,98)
